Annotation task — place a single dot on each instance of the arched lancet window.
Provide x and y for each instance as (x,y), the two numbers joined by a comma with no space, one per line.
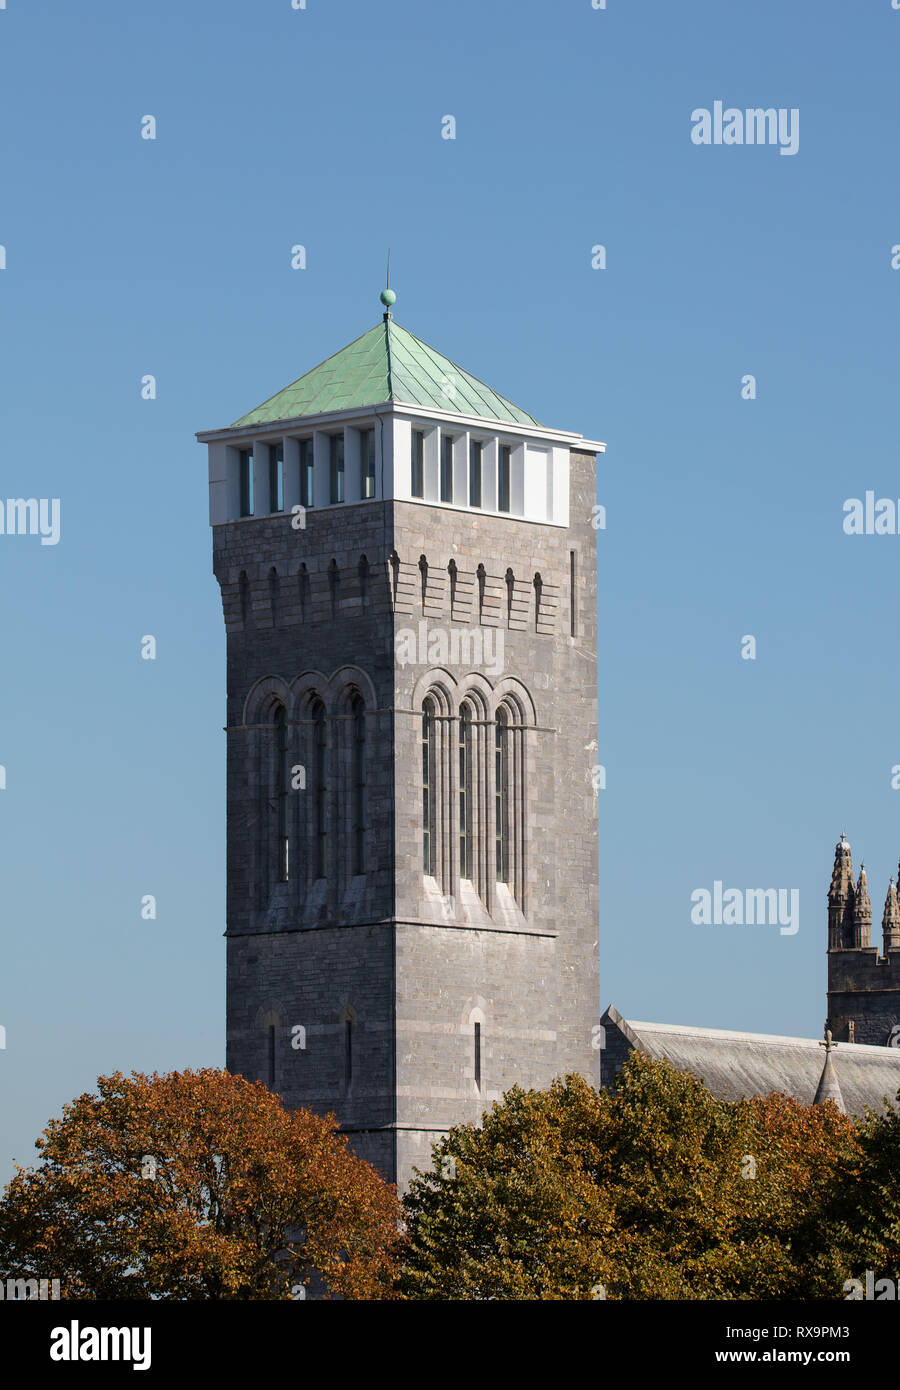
(358,785)
(477,1058)
(334,586)
(281,786)
(466,839)
(423,572)
(363,571)
(273,595)
(320,787)
(501,794)
(454,575)
(481,582)
(429,857)
(538,591)
(510,593)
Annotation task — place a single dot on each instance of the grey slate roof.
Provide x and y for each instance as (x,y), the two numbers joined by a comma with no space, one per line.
(735,1064)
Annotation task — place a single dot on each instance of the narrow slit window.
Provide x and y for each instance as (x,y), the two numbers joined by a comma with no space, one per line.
(428,861)
(573,615)
(367,463)
(503,480)
(246,482)
(418,463)
(271,1056)
(465,792)
(501,794)
(348,1052)
(276,477)
(358,711)
(475,450)
(282,783)
(477,1058)
(336,451)
(321,789)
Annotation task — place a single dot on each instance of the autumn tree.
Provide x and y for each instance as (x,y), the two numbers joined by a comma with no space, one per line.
(655,1190)
(197,1185)
(861,1218)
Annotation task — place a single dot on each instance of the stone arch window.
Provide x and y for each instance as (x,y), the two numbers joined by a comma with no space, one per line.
(303,587)
(481,583)
(465,770)
(334,587)
(358,785)
(271,1024)
(348,1020)
(423,572)
(319,787)
(538,592)
(501,795)
(280,856)
(510,593)
(454,576)
(429,786)
(273,595)
(363,572)
(244,592)
(509,798)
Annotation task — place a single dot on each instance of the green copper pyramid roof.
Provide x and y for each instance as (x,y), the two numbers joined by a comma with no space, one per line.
(386,364)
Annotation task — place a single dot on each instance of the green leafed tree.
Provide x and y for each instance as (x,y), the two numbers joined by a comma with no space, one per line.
(656,1190)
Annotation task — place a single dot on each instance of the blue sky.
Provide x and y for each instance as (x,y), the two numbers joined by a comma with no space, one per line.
(172,257)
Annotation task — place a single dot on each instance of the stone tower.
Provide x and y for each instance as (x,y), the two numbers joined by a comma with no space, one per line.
(407,569)
(863,983)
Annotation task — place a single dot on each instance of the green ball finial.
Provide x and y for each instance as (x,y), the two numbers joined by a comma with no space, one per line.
(387,298)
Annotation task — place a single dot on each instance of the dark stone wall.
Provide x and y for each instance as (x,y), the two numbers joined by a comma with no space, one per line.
(865,988)
(406,961)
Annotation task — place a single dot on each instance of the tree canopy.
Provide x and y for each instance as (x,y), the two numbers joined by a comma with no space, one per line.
(198,1185)
(656,1190)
